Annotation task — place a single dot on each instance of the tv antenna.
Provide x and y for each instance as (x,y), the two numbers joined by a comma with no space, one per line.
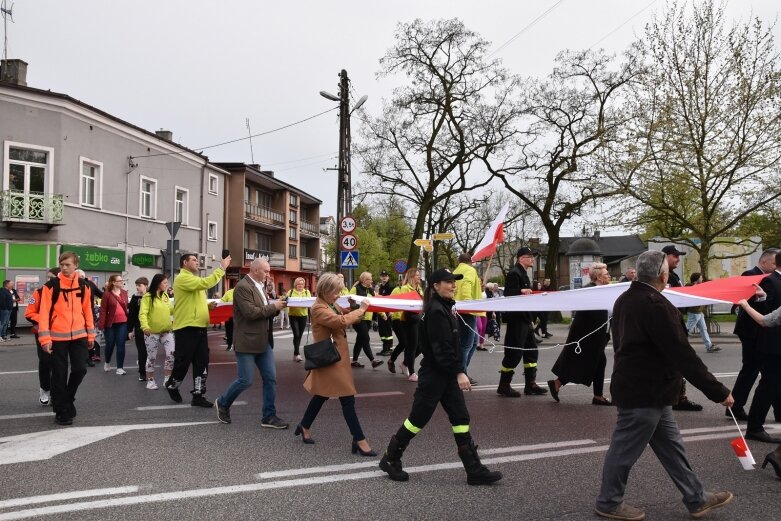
(8,13)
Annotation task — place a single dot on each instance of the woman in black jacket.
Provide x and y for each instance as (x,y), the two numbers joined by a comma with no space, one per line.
(586,367)
(441,379)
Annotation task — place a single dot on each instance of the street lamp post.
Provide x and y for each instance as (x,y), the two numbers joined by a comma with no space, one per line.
(344,204)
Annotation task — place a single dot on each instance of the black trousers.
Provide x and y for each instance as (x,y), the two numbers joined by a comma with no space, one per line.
(192,347)
(768,391)
(12,321)
(598,381)
(362,341)
(396,325)
(44,367)
(385,329)
(435,387)
(529,355)
(348,411)
(411,347)
(138,338)
(64,386)
(298,326)
(229,331)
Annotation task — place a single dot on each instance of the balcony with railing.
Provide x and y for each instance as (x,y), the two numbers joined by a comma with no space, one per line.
(309,264)
(31,208)
(264,215)
(310,229)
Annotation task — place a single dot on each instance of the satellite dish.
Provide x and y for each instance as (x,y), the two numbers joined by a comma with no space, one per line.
(328,95)
(360,102)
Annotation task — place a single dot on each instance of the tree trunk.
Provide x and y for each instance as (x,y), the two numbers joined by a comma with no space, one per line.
(705,247)
(417,233)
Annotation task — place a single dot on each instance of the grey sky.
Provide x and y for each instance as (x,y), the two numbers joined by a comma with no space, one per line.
(200,68)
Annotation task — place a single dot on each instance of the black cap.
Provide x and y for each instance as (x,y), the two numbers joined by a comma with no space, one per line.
(670,250)
(443,275)
(383,273)
(524,251)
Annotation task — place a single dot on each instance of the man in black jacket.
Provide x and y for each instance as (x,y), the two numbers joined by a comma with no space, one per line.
(519,339)
(748,331)
(673,258)
(652,354)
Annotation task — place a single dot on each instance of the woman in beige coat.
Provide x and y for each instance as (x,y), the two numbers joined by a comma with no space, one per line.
(334,381)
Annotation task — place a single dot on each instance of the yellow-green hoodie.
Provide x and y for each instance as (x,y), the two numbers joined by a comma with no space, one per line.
(157,318)
(468,288)
(190,306)
(298,312)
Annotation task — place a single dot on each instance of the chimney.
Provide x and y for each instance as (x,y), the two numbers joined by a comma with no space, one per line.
(14,71)
(165,134)
(596,235)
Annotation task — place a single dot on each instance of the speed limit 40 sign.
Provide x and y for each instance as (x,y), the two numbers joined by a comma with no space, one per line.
(349,242)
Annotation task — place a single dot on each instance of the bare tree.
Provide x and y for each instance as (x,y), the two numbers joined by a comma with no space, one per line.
(572,115)
(450,118)
(704,150)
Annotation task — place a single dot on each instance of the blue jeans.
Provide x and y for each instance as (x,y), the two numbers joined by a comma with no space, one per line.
(5,318)
(268,372)
(116,335)
(698,319)
(467,327)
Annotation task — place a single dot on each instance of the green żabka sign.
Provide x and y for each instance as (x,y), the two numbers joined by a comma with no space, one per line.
(97,259)
(143,260)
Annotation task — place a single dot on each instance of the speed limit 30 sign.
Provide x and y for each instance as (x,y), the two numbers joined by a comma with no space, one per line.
(349,242)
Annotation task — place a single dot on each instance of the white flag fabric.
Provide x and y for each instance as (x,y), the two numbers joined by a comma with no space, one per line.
(494,236)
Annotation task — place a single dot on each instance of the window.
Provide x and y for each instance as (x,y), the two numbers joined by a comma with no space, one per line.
(293,251)
(181,205)
(262,241)
(212,231)
(214,184)
(304,213)
(27,167)
(293,200)
(291,233)
(246,239)
(91,181)
(292,216)
(264,199)
(148,198)
(246,194)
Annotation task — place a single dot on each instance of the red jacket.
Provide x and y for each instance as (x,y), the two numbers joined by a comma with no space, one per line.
(108,308)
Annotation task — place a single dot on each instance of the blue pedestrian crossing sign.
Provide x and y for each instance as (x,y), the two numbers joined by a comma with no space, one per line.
(349,259)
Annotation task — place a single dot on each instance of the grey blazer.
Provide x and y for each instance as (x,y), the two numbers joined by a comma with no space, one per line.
(252,320)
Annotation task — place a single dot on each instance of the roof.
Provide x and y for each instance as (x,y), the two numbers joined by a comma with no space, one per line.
(266,177)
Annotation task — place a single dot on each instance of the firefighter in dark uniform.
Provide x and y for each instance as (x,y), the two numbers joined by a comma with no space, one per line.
(384,319)
(520,332)
(441,379)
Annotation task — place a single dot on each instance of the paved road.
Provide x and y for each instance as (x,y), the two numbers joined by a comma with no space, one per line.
(133,455)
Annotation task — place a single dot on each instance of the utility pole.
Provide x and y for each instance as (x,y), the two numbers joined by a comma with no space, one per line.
(344,195)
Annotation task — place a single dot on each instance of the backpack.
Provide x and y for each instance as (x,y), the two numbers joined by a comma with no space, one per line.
(54,285)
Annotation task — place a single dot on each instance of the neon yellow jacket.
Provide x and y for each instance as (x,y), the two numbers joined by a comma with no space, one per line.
(468,288)
(228,297)
(157,318)
(190,306)
(354,291)
(406,288)
(298,312)
(396,315)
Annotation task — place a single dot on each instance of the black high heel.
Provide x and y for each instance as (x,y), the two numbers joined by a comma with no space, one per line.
(300,430)
(773,460)
(369,453)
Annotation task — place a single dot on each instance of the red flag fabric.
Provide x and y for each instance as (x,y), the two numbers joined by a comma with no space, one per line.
(410,295)
(494,236)
(743,453)
(220,314)
(731,289)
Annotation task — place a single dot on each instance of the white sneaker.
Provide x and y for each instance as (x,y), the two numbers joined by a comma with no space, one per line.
(121,371)
(44,397)
(404,369)
(107,367)
(298,358)
(413,377)
(150,384)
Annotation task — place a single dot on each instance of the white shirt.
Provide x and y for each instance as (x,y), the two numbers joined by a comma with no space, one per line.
(261,289)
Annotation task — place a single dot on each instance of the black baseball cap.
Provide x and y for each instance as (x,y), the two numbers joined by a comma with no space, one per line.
(442,275)
(525,251)
(671,250)
(383,273)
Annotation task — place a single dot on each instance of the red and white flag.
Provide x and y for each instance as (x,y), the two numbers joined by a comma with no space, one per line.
(494,236)
(743,453)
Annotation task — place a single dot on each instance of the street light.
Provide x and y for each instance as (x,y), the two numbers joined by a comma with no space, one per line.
(344,204)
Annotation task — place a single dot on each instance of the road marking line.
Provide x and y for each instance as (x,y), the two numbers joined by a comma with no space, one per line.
(17,372)
(30,415)
(64,496)
(373,395)
(183,406)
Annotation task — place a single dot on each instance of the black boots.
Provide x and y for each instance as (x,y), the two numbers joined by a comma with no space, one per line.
(531,387)
(476,472)
(391,460)
(504,385)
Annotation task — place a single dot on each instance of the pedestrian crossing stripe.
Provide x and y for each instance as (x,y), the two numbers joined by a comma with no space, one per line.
(349,259)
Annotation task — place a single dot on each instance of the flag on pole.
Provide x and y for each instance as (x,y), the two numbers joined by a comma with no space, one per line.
(494,236)
(743,453)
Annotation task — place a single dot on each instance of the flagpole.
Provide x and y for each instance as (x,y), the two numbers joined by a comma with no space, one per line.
(487,269)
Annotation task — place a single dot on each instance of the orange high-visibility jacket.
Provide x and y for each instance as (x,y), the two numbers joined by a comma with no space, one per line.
(71,316)
(31,313)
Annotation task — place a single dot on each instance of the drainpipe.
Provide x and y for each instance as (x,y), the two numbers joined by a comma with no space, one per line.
(132,166)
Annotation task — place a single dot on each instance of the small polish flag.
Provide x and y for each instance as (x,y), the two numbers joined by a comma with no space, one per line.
(743,453)
(494,236)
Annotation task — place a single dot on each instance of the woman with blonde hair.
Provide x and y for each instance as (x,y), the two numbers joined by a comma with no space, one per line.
(593,332)
(408,340)
(298,316)
(336,380)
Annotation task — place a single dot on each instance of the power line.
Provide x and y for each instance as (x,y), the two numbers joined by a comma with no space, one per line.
(243,138)
(623,24)
(529,26)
